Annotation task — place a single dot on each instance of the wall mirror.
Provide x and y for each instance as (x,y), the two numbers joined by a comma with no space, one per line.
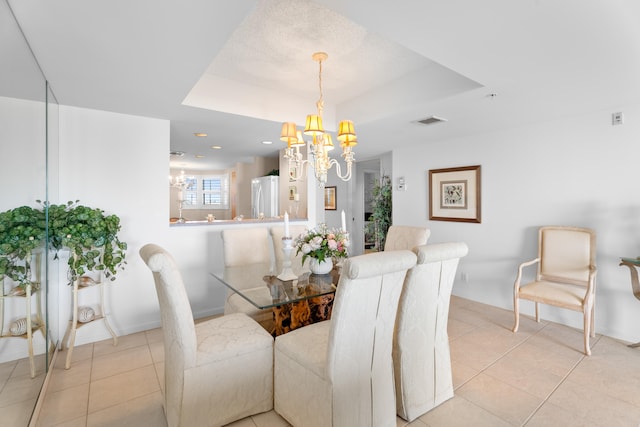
(28,147)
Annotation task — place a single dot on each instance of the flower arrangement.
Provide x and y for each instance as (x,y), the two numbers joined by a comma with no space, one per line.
(322,243)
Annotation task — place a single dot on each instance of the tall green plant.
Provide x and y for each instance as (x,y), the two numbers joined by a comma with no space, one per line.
(381,210)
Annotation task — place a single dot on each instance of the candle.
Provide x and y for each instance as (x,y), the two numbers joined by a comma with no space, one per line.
(344,223)
(286,224)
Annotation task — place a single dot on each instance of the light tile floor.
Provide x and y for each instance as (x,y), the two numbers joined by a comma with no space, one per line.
(537,377)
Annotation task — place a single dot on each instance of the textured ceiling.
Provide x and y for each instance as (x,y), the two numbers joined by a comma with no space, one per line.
(247,66)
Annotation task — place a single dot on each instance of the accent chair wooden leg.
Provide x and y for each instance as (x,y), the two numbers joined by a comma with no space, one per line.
(537,312)
(516,312)
(587,331)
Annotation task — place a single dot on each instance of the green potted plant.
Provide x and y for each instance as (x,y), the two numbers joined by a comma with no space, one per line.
(22,230)
(381,210)
(89,234)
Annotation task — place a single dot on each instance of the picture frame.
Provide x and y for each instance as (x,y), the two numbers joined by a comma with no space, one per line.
(293,190)
(330,198)
(454,194)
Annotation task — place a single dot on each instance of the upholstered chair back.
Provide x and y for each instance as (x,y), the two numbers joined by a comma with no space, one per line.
(405,237)
(246,246)
(421,354)
(339,372)
(177,325)
(566,254)
(359,361)
(216,371)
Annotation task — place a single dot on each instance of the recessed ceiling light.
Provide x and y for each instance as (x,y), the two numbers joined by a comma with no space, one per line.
(267,142)
(199,156)
(216,147)
(200,134)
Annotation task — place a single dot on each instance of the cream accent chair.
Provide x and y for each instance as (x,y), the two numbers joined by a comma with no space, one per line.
(421,357)
(565,276)
(405,237)
(217,371)
(277,233)
(339,372)
(243,246)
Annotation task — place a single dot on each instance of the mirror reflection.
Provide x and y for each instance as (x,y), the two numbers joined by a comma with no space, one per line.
(248,191)
(28,123)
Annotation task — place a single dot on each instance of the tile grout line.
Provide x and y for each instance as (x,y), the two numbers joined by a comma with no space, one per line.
(546,399)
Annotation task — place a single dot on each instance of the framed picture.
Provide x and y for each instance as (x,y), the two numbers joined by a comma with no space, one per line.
(454,194)
(293,171)
(330,198)
(293,190)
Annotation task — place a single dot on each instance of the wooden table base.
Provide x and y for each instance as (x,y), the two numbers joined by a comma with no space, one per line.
(288,317)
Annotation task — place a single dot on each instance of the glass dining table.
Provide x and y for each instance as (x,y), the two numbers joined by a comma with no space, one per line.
(295,303)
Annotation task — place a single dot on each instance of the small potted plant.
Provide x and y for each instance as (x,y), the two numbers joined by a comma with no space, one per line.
(322,245)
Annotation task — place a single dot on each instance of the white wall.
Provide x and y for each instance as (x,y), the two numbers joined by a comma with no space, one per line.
(119,163)
(578,171)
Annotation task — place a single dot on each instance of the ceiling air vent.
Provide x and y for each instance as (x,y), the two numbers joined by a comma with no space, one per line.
(176,153)
(431,120)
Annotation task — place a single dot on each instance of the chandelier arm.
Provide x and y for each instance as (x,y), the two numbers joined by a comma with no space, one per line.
(347,175)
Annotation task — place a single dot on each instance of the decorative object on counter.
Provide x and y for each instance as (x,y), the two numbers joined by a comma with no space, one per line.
(322,243)
(182,183)
(86,314)
(210,218)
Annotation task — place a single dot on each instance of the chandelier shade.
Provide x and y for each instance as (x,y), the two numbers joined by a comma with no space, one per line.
(314,125)
(322,141)
(346,130)
(289,133)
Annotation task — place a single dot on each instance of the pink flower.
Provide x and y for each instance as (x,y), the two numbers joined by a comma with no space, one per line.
(333,245)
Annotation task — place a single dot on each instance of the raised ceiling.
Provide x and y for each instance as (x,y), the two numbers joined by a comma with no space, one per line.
(236,70)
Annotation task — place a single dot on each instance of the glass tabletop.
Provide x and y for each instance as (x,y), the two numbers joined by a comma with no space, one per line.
(259,284)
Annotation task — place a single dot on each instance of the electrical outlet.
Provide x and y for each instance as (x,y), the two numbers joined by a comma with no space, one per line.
(465,276)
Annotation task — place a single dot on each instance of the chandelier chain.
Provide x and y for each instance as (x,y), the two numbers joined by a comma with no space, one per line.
(320,103)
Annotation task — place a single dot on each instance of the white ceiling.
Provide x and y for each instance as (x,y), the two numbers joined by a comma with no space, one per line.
(237,69)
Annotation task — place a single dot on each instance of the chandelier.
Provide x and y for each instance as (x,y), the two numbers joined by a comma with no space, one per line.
(181,182)
(322,141)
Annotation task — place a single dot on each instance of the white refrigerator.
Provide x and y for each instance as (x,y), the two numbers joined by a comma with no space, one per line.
(264,197)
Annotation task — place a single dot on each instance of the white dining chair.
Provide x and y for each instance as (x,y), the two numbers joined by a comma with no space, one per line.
(405,237)
(421,355)
(339,372)
(244,246)
(216,371)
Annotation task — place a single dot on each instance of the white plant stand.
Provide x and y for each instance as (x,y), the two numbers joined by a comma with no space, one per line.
(70,335)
